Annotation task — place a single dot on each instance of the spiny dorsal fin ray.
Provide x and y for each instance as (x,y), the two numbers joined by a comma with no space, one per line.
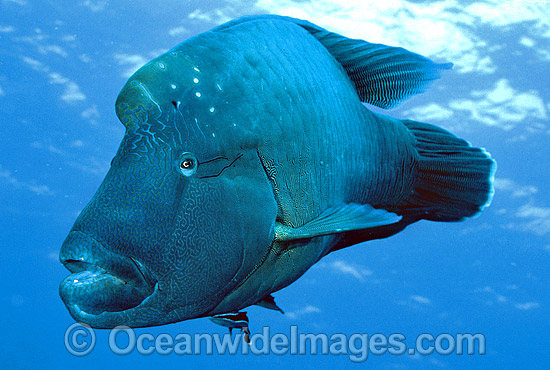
(383,75)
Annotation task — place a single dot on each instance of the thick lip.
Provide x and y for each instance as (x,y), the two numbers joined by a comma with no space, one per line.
(101,282)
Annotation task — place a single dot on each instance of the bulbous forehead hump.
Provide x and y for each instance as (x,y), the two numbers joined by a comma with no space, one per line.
(201,64)
(157,84)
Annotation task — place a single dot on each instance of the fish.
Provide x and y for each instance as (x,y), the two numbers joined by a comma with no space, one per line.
(249,154)
(236,320)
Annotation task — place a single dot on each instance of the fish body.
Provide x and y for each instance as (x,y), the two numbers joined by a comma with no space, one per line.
(232,321)
(248,156)
(237,320)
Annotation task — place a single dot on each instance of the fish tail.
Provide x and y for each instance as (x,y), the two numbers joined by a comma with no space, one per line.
(453,180)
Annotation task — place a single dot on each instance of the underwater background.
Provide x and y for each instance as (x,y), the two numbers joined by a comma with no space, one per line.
(62,64)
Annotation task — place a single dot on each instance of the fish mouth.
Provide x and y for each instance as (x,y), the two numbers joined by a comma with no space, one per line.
(101,281)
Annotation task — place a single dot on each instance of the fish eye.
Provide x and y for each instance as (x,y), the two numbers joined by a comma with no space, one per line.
(188,164)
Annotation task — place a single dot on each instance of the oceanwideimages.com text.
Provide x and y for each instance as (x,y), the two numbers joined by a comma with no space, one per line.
(80,340)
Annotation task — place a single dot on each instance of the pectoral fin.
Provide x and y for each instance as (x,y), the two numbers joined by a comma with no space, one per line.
(338,220)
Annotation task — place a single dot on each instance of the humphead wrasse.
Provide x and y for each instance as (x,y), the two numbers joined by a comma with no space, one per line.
(248,156)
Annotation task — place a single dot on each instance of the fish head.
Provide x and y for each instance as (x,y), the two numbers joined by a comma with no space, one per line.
(185,213)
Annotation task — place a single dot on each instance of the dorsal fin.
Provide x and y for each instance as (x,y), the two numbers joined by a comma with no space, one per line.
(383,75)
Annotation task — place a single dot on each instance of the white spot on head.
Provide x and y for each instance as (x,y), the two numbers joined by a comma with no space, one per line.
(173,86)
(161,65)
(198,94)
(212,109)
(196,69)
(196,80)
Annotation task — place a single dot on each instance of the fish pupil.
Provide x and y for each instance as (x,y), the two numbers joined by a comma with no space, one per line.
(187,164)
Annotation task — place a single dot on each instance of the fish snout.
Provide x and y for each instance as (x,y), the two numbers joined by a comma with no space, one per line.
(101,280)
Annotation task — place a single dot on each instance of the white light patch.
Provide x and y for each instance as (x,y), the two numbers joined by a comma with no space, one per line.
(161,65)
(213,135)
(196,69)
(196,80)
(198,94)
(132,62)
(219,87)
(212,109)
(525,41)
(173,86)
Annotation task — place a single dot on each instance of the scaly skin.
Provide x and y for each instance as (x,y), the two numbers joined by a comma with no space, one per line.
(229,134)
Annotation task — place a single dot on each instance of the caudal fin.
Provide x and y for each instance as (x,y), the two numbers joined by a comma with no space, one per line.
(453,180)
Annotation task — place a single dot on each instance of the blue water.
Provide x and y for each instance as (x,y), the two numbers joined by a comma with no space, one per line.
(62,66)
